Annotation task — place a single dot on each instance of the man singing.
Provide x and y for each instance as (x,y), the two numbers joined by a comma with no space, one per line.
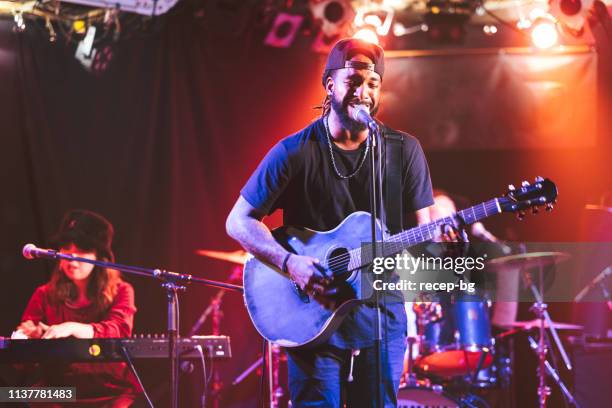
(318,177)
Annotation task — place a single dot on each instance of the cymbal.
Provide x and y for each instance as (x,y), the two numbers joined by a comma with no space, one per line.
(535,323)
(526,261)
(238,257)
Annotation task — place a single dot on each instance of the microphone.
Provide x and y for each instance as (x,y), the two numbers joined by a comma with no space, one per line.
(596,281)
(30,251)
(479,231)
(361,114)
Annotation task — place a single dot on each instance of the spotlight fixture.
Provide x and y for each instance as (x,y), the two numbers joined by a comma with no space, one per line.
(571,13)
(367,34)
(145,7)
(85,52)
(19,22)
(446,19)
(544,33)
(284,30)
(333,15)
(376,15)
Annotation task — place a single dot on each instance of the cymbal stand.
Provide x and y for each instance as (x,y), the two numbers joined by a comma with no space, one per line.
(275,390)
(273,356)
(411,378)
(214,310)
(541,312)
(553,373)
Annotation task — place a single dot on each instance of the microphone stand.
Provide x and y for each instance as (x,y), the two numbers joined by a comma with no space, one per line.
(172,282)
(375,195)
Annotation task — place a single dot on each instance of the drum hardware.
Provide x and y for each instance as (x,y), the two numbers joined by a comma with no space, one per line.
(538,261)
(453,344)
(429,396)
(216,313)
(425,396)
(273,354)
(525,261)
(409,378)
(238,257)
(553,373)
(481,361)
(520,326)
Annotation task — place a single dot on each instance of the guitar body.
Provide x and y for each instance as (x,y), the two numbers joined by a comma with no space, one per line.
(281,312)
(287,316)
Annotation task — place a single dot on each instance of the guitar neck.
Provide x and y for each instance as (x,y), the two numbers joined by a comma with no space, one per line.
(423,233)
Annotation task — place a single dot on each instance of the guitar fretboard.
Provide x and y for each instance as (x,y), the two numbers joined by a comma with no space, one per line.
(423,233)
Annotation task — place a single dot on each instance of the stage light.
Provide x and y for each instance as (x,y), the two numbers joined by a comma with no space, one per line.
(50,30)
(85,52)
(400,30)
(571,13)
(489,29)
(284,30)
(538,12)
(446,19)
(544,33)
(79,26)
(523,24)
(334,16)
(378,16)
(367,34)
(19,22)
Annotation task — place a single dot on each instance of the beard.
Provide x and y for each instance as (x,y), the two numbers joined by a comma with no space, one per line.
(340,108)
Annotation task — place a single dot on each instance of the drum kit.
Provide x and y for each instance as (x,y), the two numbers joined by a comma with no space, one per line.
(460,362)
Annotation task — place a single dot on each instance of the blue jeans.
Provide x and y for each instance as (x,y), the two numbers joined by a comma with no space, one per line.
(318,377)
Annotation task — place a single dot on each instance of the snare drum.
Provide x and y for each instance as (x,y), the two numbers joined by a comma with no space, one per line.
(454,344)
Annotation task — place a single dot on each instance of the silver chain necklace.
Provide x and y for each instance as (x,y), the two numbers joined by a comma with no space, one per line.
(331,153)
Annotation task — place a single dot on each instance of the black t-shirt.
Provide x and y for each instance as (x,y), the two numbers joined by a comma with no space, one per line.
(297,176)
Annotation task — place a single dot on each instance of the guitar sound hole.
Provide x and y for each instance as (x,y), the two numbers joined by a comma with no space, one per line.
(338,262)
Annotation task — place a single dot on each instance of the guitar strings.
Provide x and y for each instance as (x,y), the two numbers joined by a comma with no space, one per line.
(411,234)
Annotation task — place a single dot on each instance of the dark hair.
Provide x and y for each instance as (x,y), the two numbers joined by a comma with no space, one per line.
(326,104)
(88,232)
(101,287)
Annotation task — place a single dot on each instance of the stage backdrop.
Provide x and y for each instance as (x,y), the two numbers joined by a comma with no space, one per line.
(163,141)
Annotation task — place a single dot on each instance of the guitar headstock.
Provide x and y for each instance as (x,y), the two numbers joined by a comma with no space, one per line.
(542,193)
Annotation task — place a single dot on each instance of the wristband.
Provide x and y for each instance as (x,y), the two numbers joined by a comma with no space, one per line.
(284,267)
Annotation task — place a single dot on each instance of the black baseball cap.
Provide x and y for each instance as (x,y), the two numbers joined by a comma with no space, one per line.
(340,57)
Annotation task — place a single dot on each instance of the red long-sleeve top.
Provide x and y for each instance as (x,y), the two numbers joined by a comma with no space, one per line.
(96,383)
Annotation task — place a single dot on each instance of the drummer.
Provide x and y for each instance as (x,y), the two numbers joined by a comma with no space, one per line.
(507,285)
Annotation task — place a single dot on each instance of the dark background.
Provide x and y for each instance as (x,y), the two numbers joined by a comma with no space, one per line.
(162,142)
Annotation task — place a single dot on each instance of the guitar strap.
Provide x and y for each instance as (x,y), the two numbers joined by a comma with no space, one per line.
(394,157)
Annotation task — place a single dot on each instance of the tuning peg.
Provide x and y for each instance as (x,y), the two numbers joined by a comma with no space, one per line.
(520,215)
(539,179)
(535,210)
(511,187)
(524,183)
(549,207)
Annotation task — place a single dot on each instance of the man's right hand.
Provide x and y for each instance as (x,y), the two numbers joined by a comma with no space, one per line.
(305,272)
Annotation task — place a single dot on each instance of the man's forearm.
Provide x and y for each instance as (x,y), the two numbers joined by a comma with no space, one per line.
(257,239)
